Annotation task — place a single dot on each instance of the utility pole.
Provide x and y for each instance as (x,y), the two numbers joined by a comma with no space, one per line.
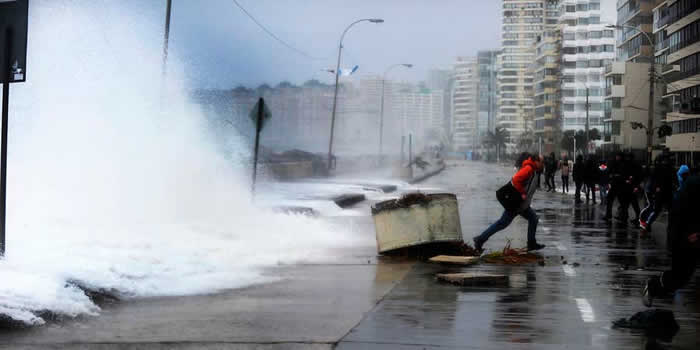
(585,150)
(650,121)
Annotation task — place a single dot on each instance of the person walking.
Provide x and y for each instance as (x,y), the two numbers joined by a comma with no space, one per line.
(579,176)
(549,170)
(590,176)
(658,192)
(603,181)
(564,168)
(525,182)
(617,181)
(685,229)
(633,175)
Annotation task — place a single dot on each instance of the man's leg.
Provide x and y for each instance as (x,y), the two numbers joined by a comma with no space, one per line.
(648,209)
(554,184)
(500,224)
(578,191)
(612,194)
(532,221)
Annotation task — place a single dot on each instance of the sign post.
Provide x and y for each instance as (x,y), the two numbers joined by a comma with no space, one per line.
(13,41)
(258,115)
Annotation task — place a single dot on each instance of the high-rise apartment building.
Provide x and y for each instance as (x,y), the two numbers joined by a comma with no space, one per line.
(547,121)
(546,74)
(465,104)
(523,21)
(587,47)
(681,22)
(635,19)
(487,92)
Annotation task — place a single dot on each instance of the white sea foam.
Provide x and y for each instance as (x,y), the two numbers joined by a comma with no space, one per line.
(116,185)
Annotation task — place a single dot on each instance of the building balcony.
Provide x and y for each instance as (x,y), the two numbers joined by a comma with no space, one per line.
(615,91)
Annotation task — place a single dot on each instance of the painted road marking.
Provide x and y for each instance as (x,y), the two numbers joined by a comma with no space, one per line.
(569,271)
(584,307)
(561,247)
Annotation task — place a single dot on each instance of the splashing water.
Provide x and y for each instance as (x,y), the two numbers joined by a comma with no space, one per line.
(118,186)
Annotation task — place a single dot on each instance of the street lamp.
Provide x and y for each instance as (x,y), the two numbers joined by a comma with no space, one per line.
(652,77)
(381,113)
(337,70)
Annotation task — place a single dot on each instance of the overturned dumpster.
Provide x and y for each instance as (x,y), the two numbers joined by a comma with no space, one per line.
(417,222)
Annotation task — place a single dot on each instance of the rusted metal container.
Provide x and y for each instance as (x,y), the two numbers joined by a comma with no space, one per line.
(415,220)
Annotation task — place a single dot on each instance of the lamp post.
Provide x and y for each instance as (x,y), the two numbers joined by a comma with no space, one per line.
(381,113)
(337,70)
(652,79)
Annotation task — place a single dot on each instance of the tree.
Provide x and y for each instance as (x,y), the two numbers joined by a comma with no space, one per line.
(567,141)
(665,130)
(497,139)
(526,140)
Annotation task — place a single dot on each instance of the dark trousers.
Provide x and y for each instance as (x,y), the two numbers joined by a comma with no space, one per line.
(627,198)
(506,219)
(590,189)
(683,264)
(552,183)
(565,184)
(613,193)
(579,185)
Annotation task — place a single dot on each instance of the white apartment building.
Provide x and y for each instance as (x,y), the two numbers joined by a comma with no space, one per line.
(421,112)
(587,47)
(465,104)
(523,21)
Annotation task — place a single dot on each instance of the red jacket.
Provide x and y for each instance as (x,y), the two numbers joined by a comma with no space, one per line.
(522,177)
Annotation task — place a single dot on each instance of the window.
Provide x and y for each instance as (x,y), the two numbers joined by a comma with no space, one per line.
(581,7)
(569,36)
(595,35)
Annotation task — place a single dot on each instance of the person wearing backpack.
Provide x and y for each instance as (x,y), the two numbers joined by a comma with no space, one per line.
(523,185)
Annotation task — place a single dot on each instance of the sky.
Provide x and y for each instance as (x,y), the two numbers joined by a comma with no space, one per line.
(222,48)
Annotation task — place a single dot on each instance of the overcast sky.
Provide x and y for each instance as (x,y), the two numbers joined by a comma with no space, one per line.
(221,47)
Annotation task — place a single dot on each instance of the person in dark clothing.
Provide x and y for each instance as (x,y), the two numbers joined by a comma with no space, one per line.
(565,170)
(633,175)
(658,192)
(603,181)
(590,176)
(579,176)
(549,170)
(524,182)
(685,227)
(616,183)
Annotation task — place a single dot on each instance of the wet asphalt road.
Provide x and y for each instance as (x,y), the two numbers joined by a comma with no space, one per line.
(557,306)
(360,301)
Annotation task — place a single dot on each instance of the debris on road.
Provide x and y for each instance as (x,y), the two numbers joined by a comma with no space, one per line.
(512,256)
(455,260)
(470,279)
(656,323)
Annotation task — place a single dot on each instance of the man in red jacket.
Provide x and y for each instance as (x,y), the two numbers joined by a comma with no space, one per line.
(526,183)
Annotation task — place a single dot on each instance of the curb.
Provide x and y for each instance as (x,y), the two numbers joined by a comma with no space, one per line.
(427,175)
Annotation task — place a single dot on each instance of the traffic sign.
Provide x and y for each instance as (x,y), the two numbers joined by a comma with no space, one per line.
(13,27)
(255,113)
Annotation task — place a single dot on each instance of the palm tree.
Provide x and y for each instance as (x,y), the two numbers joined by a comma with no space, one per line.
(497,139)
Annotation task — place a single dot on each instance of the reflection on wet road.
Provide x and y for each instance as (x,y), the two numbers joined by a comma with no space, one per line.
(592,275)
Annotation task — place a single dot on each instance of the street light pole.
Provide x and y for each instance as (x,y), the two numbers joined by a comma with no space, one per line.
(166,35)
(652,80)
(337,75)
(585,149)
(381,113)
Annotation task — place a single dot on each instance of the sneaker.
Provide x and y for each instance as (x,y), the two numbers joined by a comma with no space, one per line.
(534,246)
(647,299)
(478,245)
